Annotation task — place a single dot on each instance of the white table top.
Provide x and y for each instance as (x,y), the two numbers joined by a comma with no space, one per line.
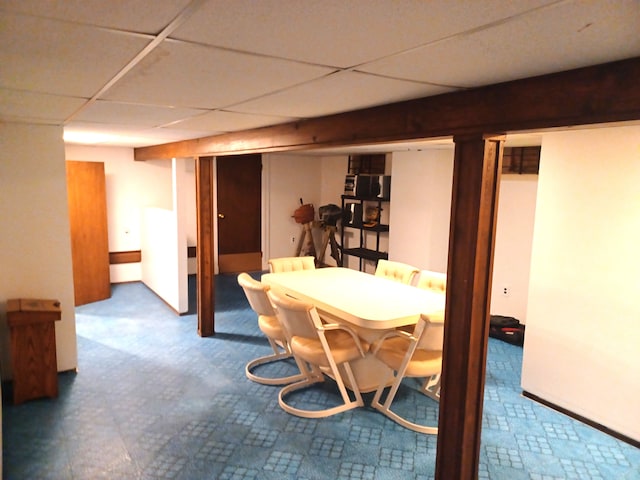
(359,298)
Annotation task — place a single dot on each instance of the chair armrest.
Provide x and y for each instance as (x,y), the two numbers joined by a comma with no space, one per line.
(354,335)
(392,333)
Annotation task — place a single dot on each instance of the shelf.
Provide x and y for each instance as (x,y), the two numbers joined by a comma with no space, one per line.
(365,199)
(376,228)
(357,208)
(366,253)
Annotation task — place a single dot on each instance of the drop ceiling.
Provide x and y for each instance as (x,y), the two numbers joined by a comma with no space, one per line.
(145,72)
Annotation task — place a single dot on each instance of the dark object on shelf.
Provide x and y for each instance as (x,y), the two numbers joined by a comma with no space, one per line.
(371,216)
(330,214)
(33,347)
(363,215)
(508,329)
(352,214)
(368,186)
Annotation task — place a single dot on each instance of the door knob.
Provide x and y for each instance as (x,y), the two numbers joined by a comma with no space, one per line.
(221,215)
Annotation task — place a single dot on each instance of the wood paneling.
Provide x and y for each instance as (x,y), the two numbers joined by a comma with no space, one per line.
(204,249)
(602,93)
(132,256)
(87,198)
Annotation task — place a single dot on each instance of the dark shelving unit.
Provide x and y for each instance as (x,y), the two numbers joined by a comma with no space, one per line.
(354,217)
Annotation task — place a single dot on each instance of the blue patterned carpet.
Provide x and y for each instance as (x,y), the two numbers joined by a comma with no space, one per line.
(152,400)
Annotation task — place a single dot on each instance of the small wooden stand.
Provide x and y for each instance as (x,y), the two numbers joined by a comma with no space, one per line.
(33,348)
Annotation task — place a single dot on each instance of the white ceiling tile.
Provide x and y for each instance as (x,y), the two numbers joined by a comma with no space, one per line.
(228,121)
(149,16)
(60,58)
(56,54)
(340,92)
(187,75)
(103,111)
(569,35)
(20,103)
(128,135)
(337,32)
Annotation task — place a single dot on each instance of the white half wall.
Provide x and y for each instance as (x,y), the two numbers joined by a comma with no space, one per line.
(583,330)
(164,247)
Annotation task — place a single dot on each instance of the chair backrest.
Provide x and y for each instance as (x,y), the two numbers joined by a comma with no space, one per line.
(397,271)
(256,293)
(299,319)
(429,280)
(291,264)
(430,331)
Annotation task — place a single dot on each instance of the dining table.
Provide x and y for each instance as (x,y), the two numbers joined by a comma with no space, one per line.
(371,305)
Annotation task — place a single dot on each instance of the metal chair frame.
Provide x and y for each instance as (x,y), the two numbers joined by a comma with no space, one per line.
(303,325)
(423,338)
(256,293)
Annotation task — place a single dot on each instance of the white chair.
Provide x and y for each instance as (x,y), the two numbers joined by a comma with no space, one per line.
(256,293)
(417,354)
(318,347)
(397,271)
(290,264)
(428,280)
(435,282)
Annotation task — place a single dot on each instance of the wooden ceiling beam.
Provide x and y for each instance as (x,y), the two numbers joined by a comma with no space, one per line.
(597,94)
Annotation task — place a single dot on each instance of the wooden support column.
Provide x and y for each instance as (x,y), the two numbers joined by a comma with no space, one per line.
(476,177)
(204,249)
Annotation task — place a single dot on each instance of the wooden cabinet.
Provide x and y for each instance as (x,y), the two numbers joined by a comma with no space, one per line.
(33,348)
(363,215)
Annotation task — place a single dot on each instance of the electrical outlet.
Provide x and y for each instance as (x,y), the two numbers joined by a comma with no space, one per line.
(506,290)
(293,239)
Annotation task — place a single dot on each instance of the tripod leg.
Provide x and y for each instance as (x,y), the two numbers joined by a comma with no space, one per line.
(335,250)
(301,238)
(309,246)
(325,242)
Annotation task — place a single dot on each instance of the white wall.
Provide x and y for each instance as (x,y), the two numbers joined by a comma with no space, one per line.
(514,236)
(420,217)
(421,208)
(187,194)
(333,172)
(35,244)
(583,331)
(287,179)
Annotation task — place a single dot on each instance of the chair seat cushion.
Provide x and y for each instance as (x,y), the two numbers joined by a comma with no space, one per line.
(271,327)
(424,363)
(340,342)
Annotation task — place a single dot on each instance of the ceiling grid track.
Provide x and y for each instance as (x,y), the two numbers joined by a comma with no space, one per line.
(157,40)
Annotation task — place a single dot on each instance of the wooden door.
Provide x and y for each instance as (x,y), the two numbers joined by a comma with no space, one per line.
(239,213)
(87,199)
